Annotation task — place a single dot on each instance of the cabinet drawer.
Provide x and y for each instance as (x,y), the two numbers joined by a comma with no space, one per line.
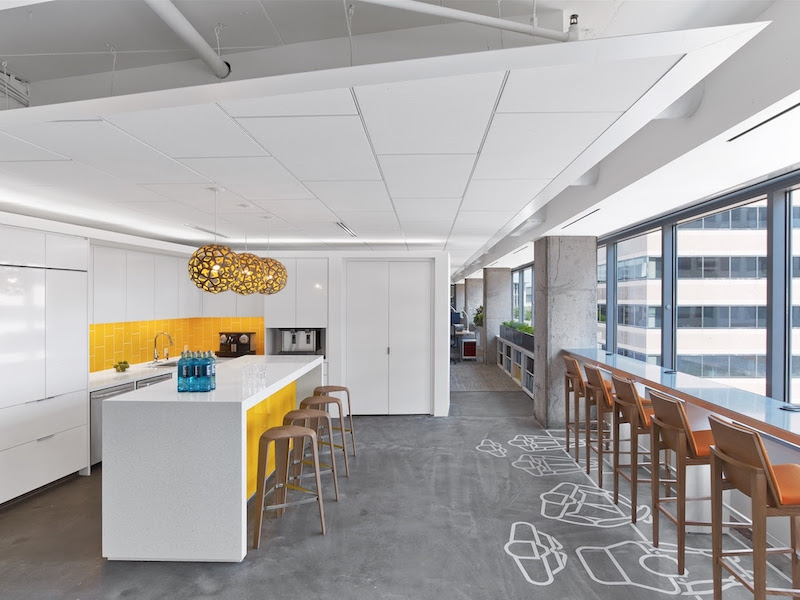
(32,465)
(28,422)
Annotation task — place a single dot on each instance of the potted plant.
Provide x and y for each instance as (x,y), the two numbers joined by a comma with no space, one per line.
(478,318)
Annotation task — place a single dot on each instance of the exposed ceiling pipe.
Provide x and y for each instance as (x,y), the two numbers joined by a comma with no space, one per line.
(469,17)
(184,30)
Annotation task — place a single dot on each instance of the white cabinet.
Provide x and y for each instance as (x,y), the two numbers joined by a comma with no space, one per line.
(312,292)
(140,287)
(304,300)
(219,305)
(23,247)
(66,332)
(280,309)
(166,281)
(190,297)
(250,306)
(66,252)
(389,336)
(110,267)
(22,334)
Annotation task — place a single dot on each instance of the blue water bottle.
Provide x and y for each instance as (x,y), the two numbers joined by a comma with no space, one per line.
(204,382)
(194,372)
(212,369)
(183,373)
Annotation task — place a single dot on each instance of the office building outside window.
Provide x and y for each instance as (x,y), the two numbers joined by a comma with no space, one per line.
(639,312)
(794,317)
(722,296)
(602,314)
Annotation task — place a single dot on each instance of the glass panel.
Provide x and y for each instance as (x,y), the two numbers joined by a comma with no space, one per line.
(515,295)
(722,296)
(601,297)
(639,297)
(527,291)
(794,325)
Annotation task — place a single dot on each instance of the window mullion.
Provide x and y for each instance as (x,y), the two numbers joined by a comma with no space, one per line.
(778,284)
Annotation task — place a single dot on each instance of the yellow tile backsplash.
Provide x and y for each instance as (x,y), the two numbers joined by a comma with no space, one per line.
(133,340)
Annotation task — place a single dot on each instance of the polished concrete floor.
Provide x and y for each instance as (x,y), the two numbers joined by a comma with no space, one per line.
(483,504)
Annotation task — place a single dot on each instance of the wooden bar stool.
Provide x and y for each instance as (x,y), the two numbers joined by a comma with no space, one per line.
(321,402)
(670,430)
(316,420)
(598,391)
(629,407)
(740,461)
(281,437)
(327,390)
(574,385)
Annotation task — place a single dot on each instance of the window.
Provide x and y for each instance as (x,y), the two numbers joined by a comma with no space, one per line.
(515,295)
(527,295)
(793,201)
(721,296)
(602,314)
(639,313)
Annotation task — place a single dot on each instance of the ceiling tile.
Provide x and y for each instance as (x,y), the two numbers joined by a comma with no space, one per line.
(428,175)
(426,229)
(427,209)
(13,149)
(501,194)
(297,212)
(481,221)
(317,148)
(537,146)
(447,115)
(189,131)
(200,196)
(254,178)
(587,87)
(365,222)
(105,147)
(321,103)
(352,195)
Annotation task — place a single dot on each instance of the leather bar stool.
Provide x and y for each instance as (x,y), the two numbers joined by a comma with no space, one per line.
(316,420)
(327,390)
(629,407)
(575,386)
(281,437)
(598,391)
(321,403)
(670,430)
(740,461)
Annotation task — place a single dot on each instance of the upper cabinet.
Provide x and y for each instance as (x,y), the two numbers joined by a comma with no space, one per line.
(190,297)
(66,252)
(166,279)
(109,270)
(140,285)
(303,302)
(22,247)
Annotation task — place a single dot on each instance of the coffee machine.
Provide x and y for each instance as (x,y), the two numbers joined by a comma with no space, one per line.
(236,343)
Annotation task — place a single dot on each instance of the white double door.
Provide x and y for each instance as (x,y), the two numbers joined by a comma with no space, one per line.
(388,336)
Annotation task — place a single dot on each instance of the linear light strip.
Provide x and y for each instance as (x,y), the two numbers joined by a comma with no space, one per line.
(346,229)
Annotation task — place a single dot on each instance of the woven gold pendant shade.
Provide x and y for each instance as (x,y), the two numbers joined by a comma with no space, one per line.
(212,268)
(275,276)
(250,274)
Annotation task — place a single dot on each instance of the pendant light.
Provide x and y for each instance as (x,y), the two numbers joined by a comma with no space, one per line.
(212,267)
(275,275)
(250,270)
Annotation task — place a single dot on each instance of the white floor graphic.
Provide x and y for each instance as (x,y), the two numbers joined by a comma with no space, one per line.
(634,563)
(590,506)
(493,448)
(535,443)
(541,464)
(538,555)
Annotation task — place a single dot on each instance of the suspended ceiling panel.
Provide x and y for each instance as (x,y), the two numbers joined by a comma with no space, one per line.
(320,103)
(174,132)
(502,194)
(426,175)
(13,149)
(439,116)
(352,195)
(427,209)
(317,148)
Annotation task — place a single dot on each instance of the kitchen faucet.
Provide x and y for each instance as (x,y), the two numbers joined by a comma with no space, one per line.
(155,347)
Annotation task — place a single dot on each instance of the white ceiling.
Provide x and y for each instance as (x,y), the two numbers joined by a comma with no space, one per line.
(414,162)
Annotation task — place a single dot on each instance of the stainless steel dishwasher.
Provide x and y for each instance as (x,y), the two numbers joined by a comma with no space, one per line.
(142,383)
(96,417)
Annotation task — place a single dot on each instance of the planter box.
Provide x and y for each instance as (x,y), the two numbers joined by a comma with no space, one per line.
(518,338)
(526,341)
(507,333)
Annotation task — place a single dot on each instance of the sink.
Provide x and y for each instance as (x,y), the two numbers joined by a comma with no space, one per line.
(164,364)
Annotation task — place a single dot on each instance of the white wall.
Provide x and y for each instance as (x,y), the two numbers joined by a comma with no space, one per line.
(440,305)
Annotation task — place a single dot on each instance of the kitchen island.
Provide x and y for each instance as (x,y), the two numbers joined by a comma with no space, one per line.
(178,468)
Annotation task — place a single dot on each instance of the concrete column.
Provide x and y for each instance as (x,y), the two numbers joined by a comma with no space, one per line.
(564,316)
(460,298)
(473,298)
(496,309)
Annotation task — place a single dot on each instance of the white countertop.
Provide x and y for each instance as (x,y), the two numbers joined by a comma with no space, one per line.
(235,381)
(109,377)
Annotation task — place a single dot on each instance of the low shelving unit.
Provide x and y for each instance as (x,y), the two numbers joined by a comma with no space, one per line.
(517,363)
